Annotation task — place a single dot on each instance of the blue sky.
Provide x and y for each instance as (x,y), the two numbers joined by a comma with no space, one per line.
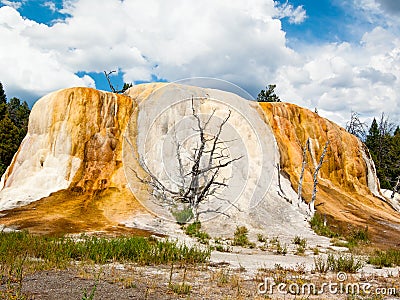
(335,55)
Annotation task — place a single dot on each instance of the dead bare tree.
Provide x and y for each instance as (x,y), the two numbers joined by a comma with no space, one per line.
(303,166)
(124,88)
(396,187)
(281,193)
(355,126)
(311,205)
(200,172)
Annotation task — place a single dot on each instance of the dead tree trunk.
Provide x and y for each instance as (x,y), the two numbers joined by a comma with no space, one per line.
(303,166)
(281,193)
(311,205)
(396,187)
(200,172)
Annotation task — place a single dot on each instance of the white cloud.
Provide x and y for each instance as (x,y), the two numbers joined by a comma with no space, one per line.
(238,41)
(296,15)
(338,78)
(25,69)
(13,4)
(50,5)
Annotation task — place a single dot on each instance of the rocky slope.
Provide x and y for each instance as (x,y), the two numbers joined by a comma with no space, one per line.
(78,167)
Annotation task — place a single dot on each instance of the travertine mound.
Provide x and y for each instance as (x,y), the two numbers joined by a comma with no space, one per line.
(78,167)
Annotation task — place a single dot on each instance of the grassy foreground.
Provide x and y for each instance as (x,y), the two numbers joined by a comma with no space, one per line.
(22,253)
(56,252)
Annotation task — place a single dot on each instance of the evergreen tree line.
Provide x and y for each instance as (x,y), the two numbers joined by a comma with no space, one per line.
(383,142)
(14,117)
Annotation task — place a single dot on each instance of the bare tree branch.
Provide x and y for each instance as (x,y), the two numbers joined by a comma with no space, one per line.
(355,126)
(315,177)
(303,165)
(200,170)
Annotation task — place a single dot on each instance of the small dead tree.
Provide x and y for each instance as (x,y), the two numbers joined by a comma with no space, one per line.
(396,187)
(311,205)
(199,172)
(355,126)
(303,166)
(124,88)
(281,193)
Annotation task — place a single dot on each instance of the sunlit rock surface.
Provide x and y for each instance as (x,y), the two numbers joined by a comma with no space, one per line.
(78,167)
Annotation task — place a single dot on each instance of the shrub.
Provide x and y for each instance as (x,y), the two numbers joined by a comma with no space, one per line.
(357,238)
(299,241)
(282,250)
(318,225)
(389,258)
(320,264)
(183,216)
(344,263)
(340,263)
(194,230)
(261,238)
(240,236)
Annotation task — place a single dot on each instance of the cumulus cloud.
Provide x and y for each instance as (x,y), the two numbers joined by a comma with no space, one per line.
(296,15)
(13,4)
(338,78)
(238,41)
(50,5)
(234,40)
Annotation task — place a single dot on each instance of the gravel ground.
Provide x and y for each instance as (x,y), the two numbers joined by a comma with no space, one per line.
(222,278)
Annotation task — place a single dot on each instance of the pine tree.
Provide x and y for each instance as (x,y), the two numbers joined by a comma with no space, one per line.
(385,151)
(8,143)
(14,118)
(3,98)
(373,137)
(3,102)
(268,95)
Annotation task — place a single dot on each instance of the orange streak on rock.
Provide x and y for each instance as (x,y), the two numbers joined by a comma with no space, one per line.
(343,192)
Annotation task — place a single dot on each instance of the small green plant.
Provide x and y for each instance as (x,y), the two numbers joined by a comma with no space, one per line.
(339,263)
(281,250)
(194,230)
(240,237)
(321,264)
(274,240)
(357,238)
(183,216)
(261,238)
(222,248)
(91,295)
(299,241)
(300,250)
(317,223)
(344,263)
(389,258)
(181,289)
(301,245)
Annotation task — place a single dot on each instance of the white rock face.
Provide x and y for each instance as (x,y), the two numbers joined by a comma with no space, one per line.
(44,164)
(252,196)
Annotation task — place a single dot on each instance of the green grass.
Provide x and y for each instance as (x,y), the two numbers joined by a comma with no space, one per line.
(358,237)
(338,263)
(317,224)
(389,258)
(301,245)
(240,237)
(57,252)
(22,253)
(194,230)
(183,216)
